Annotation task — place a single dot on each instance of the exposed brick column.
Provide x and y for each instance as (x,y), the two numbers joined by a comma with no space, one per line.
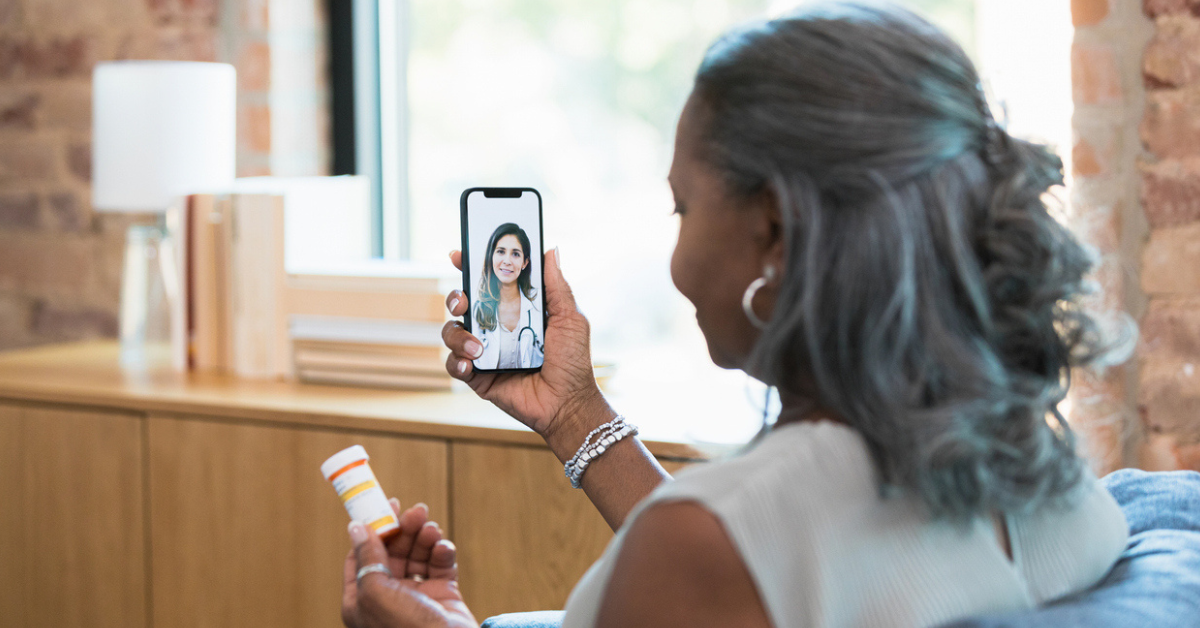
(1110,36)
(278,47)
(60,262)
(245,37)
(1169,357)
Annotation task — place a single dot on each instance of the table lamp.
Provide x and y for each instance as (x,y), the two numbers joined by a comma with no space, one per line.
(160,130)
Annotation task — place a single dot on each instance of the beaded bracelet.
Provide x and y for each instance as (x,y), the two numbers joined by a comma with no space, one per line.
(604,437)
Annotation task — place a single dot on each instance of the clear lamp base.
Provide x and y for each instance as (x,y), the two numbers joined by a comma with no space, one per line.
(145,319)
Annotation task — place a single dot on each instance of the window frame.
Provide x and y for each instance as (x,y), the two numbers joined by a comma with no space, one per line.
(368,60)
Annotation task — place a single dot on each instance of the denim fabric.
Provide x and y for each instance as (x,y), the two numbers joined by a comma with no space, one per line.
(1155,584)
(1157,501)
(539,619)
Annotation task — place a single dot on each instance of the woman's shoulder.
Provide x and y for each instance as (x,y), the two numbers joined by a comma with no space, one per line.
(800,463)
(674,538)
(1067,547)
(728,516)
(786,504)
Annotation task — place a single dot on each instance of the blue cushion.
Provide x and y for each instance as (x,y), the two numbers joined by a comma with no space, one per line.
(538,619)
(1156,582)
(1164,501)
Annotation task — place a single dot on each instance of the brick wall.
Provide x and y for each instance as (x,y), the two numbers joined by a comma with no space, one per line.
(278,47)
(1110,36)
(60,261)
(1169,384)
(1136,197)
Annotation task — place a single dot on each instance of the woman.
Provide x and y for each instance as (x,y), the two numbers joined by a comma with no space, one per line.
(856,231)
(507,319)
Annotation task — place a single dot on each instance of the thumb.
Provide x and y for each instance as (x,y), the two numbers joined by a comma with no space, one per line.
(368,550)
(559,298)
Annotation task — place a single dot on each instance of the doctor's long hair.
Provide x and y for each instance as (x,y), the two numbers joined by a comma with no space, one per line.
(487,312)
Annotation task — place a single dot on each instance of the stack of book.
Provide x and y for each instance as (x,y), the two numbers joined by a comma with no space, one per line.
(374,324)
(251,307)
(235,277)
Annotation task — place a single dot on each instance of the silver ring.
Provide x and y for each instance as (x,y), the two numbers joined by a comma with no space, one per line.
(373,568)
(417,578)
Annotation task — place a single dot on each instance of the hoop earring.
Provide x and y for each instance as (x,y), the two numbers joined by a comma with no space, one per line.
(751,290)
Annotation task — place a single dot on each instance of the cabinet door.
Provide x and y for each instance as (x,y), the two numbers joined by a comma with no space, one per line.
(524,536)
(72,543)
(246,531)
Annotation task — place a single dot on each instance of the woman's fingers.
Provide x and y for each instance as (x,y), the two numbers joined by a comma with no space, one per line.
(412,547)
(460,341)
(459,368)
(413,518)
(443,560)
(349,588)
(368,550)
(422,549)
(559,298)
(463,346)
(411,522)
(456,302)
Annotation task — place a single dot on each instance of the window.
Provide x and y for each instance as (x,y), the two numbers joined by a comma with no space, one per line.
(579,99)
(1024,53)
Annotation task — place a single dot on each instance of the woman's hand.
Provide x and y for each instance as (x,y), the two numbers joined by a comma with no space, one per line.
(562,401)
(563,391)
(423,590)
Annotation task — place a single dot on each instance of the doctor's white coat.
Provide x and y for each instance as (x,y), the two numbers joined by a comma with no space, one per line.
(528,357)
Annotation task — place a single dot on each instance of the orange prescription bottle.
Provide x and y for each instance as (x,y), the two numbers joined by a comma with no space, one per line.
(356,485)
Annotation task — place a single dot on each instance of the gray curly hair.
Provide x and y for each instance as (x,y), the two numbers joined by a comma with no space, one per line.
(929,298)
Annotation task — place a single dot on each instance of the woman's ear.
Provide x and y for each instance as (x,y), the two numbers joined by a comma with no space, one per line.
(769,228)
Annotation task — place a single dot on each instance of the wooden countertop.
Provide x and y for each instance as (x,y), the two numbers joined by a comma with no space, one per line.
(89,374)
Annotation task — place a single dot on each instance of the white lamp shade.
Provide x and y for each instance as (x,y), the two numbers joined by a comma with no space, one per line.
(161,130)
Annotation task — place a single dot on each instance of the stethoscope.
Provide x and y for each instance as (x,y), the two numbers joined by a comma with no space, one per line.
(529,327)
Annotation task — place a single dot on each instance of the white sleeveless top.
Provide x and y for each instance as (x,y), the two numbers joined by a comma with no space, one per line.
(803,510)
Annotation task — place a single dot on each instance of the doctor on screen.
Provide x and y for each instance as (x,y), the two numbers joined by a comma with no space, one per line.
(508,318)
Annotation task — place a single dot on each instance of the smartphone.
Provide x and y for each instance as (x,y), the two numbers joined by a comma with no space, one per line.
(502,276)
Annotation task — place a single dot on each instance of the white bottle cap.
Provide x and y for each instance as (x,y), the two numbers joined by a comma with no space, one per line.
(342,458)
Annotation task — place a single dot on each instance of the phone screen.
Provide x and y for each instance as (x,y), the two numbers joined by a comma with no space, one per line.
(502,276)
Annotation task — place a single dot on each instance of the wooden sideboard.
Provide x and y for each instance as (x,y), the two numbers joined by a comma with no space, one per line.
(150,498)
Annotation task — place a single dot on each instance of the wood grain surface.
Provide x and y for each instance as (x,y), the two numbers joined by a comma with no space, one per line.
(149,497)
(72,543)
(246,531)
(89,374)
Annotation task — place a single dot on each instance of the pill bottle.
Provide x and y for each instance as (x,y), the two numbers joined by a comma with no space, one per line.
(356,485)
